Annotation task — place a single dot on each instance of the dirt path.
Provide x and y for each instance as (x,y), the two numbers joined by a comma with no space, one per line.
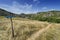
(37,34)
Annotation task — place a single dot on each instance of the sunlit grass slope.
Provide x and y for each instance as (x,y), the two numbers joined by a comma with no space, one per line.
(25,28)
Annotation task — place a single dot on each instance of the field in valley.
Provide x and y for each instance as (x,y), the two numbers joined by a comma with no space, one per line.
(25,29)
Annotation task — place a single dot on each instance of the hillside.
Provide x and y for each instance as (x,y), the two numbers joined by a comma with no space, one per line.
(6,13)
(25,29)
(50,13)
(50,16)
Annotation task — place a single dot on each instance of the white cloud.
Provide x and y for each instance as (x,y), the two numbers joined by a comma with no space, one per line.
(53,9)
(47,9)
(44,8)
(36,1)
(17,8)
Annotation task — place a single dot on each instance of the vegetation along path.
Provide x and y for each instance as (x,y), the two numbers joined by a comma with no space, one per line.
(37,34)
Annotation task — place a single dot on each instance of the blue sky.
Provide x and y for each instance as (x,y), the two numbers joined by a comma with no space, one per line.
(29,6)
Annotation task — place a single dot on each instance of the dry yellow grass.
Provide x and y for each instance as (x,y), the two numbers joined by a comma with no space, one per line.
(25,29)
